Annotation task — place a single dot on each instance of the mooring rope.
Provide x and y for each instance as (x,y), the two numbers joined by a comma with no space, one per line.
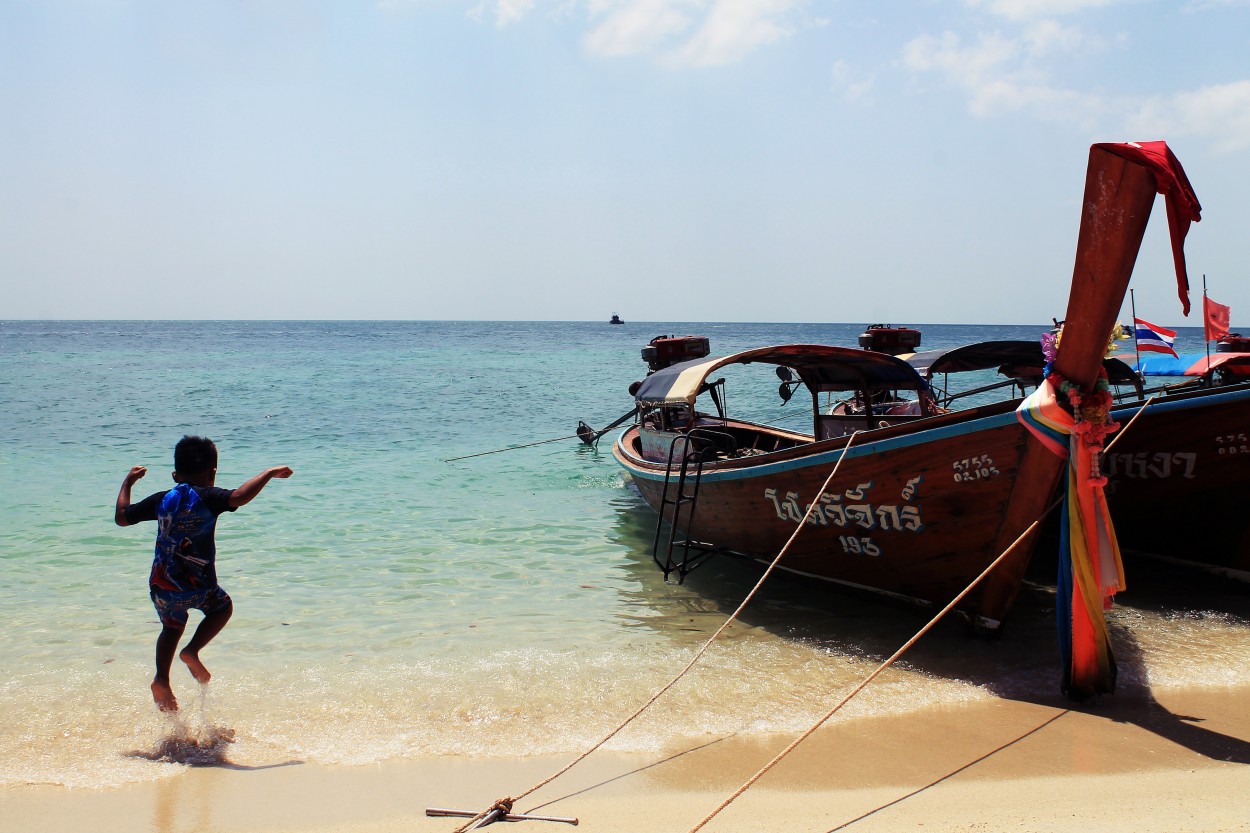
(1123,430)
(511,448)
(906,646)
(510,800)
(880,668)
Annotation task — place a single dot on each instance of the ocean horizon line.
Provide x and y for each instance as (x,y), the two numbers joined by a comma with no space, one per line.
(626,322)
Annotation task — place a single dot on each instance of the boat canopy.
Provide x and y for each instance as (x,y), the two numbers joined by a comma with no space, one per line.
(1015,359)
(1011,358)
(1193,364)
(820,367)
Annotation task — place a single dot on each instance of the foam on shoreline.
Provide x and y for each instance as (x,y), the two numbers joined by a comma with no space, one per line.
(1178,763)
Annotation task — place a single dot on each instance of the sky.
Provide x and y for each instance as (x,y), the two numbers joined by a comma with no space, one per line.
(919,161)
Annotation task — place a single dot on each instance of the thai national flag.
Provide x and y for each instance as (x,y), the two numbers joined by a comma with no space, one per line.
(1153,339)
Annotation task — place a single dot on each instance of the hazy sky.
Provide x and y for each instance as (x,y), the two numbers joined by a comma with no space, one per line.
(718,160)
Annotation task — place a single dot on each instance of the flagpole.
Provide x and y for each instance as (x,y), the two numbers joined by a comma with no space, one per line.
(1204,319)
(1133,305)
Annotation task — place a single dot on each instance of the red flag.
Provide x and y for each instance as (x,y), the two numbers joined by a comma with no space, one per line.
(1182,203)
(1216,315)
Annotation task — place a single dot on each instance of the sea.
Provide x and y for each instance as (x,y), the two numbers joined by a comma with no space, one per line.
(450,571)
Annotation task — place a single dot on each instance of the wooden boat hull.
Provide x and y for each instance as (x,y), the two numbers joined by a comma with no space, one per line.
(917,515)
(1177,479)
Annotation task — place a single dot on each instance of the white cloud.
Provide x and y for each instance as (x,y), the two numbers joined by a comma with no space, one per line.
(1220,113)
(1029,9)
(1195,6)
(689,32)
(977,67)
(734,28)
(964,64)
(502,12)
(635,26)
(998,75)
(511,11)
(676,32)
(1002,74)
(1047,37)
(852,85)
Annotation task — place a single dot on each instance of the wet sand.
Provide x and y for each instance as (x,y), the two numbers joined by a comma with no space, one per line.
(1178,760)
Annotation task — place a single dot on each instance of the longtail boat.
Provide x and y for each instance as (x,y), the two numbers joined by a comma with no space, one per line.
(1186,457)
(1177,481)
(918,506)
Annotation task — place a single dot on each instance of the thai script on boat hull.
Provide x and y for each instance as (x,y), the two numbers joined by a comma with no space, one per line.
(1146,464)
(852,511)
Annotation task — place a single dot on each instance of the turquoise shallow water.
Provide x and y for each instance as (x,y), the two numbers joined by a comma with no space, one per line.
(391,604)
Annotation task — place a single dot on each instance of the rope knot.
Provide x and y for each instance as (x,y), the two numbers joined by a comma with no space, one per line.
(503,806)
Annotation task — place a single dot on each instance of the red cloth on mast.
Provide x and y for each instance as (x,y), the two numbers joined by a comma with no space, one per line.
(1182,203)
(1217,317)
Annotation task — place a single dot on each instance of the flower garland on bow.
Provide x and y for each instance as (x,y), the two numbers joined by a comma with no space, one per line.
(1092,412)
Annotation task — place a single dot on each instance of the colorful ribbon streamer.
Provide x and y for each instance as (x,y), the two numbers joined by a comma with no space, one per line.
(1090,569)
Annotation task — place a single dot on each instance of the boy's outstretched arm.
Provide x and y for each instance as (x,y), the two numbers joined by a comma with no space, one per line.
(251,488)
(123,495)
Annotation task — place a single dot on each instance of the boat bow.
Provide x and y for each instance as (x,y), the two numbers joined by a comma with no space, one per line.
(1120,186)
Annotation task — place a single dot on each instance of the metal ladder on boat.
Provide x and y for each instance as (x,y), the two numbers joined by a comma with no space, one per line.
(696,446)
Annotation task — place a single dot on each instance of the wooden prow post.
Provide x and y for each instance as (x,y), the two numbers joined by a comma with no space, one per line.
(1119,195)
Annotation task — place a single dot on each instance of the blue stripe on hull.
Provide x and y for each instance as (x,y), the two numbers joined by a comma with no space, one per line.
(655,471)
(1125,413)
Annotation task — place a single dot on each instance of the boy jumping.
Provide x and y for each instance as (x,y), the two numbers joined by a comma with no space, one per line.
(184,574)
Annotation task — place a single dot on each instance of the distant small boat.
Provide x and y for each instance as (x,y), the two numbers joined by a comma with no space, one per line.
(616,319)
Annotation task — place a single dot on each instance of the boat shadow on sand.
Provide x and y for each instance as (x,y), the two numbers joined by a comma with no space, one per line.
(1164,610)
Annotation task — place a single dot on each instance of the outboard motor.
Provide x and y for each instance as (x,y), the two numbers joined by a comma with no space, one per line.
(886,338)
(1233,343)
(669,350)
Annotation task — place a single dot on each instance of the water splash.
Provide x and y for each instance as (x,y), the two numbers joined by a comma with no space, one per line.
(193,742)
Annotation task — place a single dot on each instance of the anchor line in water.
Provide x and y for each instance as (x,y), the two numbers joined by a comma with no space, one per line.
(576,436)
(511,448)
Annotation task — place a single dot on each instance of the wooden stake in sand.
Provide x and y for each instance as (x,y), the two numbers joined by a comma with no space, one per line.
(493,815)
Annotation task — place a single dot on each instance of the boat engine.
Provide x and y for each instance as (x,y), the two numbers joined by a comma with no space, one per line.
(664,351)
(886,338)
(1233,343)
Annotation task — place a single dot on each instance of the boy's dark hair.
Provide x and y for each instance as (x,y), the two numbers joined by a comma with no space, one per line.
(194,455)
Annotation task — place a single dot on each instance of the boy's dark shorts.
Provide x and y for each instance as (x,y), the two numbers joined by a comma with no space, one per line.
(172,605)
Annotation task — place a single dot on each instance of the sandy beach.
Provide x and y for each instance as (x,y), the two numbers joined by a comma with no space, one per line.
(1176,762)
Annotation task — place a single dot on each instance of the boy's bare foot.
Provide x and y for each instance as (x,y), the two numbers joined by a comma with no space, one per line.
(164,696)
(197,668)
